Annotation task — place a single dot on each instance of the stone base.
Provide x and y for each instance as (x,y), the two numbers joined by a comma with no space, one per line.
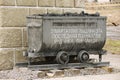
(6,59)
(9,57)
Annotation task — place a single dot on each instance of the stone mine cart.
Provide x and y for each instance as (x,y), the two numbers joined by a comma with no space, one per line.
(66,40)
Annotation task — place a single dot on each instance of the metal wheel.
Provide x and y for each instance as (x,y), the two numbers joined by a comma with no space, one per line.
(83,56)
(62,57)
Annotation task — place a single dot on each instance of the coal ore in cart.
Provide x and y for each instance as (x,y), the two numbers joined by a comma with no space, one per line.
(65,37)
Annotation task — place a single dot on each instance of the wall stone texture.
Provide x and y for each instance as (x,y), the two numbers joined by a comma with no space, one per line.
(10,38)
(111,10)
(26,2)
(13,31)
(65,3)
(46,3)
(79,3)
(7,2)
(37,11)
(13,17)
(57,11)
(24,37)
(6,59)
(115,0)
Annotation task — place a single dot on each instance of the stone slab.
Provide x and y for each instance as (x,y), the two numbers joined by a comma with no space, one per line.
(46,3)
(7,2)
(55,73)
(80,3)
(10,38)
(65,3)
(71,72)
(109,69)
(56,10)
(41,74)
(6,59)
(13,17)
(37,11)
(24,38)
(26,2)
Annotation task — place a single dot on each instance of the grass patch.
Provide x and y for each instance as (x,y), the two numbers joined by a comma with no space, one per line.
(112,46)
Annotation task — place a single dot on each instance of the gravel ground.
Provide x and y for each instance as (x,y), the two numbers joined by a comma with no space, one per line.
(26,74)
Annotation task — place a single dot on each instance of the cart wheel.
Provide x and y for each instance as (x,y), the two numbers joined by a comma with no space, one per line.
(62,57)
(83,56)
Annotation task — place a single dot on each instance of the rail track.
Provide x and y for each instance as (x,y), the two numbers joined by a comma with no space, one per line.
(60,66)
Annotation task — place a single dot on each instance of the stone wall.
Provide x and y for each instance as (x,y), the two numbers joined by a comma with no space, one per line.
(111,10)
(115,0)
(13,39)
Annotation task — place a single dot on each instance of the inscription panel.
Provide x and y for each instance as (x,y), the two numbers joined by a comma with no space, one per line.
(75,32)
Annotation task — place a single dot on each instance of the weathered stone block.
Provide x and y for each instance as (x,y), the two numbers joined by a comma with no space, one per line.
(108,69)
(71,72)
(10,38)
(25,38)
(73,10)
(46,3)
(26,2)
(7,2)
(6,59)
(79,3)
(19,56)
(58,11)
(88,71)
(37,11)
(65,3)
(55,73)
(13,17)
(50,74)
(75,71)
(58,73)
(41,74)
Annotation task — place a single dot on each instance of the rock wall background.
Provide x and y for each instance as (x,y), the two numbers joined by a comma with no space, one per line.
(13,38)
(111,10)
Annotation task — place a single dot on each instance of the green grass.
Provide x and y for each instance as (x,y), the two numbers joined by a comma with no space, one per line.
(112,46)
